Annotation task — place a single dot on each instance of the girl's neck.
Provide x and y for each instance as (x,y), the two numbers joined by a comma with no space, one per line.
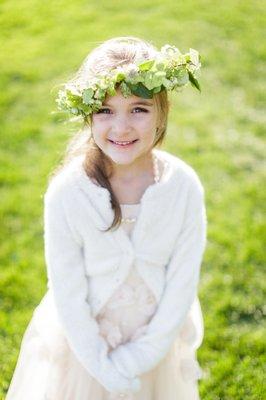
(131,191)
(139,169)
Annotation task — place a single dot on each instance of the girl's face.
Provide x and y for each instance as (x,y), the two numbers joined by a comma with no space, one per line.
(132,119)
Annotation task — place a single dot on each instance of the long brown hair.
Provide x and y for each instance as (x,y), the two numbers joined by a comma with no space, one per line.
(111,53)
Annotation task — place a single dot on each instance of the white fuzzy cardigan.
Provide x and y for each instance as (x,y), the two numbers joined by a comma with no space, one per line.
(85,266)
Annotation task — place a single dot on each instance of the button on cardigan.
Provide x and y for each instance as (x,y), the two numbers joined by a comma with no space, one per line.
(86,265)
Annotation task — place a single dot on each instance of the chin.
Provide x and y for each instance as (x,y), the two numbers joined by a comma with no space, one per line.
(122,159)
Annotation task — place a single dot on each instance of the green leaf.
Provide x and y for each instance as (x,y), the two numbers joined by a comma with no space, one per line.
(100,93)
(125,89)
(194,81)
(87,95)
(158,77)
(111,91)
(119,77)
(141,91)
(157,89)
(181,75)
(148,80)
(159,66)
(167,83)
(146,65)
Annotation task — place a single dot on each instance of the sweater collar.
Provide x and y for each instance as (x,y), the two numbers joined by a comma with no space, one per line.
(100,198)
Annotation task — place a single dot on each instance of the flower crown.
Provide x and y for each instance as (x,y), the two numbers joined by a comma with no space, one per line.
(169,70)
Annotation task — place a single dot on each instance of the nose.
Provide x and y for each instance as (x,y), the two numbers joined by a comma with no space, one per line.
(121,126)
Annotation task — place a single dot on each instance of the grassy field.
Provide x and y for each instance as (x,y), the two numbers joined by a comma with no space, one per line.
(219,132)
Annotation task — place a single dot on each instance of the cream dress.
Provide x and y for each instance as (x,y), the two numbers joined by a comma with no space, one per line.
(47,369)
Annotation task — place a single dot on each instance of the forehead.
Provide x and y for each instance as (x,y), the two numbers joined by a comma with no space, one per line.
(118,98)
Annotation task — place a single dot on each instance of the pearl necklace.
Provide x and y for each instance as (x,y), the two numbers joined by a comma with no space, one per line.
(156,180)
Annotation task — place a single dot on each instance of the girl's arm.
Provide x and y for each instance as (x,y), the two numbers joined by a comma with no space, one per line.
(182,276)
(68,284)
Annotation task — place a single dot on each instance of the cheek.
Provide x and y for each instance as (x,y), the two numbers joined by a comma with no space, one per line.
(146,125)
(99,127)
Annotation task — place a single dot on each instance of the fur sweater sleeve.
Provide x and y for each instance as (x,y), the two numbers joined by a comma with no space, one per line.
(182,276)
(68,284)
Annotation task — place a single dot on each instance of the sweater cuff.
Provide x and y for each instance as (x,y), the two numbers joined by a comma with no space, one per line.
(123,362)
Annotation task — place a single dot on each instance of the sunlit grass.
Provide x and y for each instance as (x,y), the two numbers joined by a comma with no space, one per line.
(219,132)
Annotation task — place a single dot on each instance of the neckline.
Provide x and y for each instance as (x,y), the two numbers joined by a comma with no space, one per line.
(156,153)
(100,197)
(136,205)
(162,176)
(87,184)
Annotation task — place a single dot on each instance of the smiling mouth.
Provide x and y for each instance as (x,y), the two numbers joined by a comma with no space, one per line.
(123,144)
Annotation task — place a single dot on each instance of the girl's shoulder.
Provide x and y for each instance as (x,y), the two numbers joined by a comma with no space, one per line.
(181,170)
(63,183)
(72,177)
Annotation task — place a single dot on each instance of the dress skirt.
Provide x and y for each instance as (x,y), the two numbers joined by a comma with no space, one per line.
(47,368)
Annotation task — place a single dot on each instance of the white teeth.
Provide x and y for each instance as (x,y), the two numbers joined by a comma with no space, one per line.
(122,143)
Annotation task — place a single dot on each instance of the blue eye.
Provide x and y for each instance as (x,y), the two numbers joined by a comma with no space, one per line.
(101,111)
(141,109)
(107,110)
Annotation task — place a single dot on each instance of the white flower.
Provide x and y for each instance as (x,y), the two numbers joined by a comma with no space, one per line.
(194,56)
(132,78)
(170,51)
(73,88)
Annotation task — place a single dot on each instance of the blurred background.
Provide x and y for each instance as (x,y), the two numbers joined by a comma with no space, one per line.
(218,131)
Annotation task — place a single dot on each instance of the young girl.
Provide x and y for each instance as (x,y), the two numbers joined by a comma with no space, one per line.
(124,233)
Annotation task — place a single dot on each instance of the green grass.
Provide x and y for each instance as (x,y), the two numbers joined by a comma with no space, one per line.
(219,132)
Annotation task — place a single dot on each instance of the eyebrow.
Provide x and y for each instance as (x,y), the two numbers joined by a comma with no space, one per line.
(143,103)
